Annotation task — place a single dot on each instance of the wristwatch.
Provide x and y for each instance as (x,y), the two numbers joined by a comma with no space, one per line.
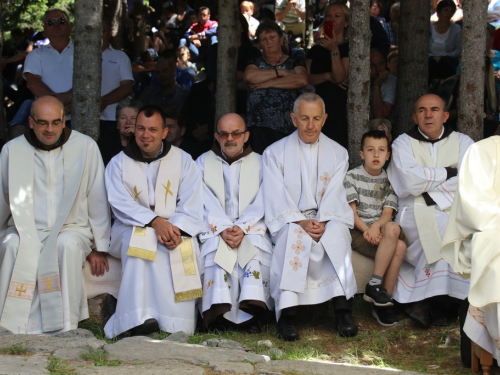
(334,54)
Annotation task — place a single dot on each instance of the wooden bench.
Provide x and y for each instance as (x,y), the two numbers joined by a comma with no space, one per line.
(481,359)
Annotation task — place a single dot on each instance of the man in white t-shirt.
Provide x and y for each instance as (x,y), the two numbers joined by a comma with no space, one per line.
(293,14)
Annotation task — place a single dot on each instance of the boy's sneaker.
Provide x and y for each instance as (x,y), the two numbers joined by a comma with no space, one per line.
(377,295)
(385,316)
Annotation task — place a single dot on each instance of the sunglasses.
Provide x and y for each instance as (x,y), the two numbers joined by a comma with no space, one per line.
(52,21)
(235,135)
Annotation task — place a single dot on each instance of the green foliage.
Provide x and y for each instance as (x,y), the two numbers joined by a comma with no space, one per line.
(16,349)
(58,366)
(29,13)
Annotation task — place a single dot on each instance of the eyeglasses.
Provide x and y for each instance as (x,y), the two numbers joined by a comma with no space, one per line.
(52,21)
(236,134)
(54,123)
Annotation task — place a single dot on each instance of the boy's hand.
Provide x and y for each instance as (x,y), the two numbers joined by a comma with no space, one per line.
(373,235)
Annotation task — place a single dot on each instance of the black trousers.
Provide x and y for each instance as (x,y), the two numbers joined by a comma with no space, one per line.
(340,303)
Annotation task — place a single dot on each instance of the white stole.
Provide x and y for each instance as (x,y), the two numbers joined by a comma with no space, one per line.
(143,241)
(425,216)
(249,183)
(35,268)
(299,243)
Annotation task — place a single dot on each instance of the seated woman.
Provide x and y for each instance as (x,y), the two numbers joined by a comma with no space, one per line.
(274,82)
(110,144)
(445,44)
(327,64)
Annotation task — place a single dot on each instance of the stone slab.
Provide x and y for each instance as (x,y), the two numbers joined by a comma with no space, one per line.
(42,344)
(231,367)
(324,368)
(147,350)
(170,367)
(180,336)
(22,365)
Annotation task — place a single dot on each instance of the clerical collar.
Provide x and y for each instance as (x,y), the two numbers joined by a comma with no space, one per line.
(419,136)
(217,150)
(133,151)
(33,140)
(309,144)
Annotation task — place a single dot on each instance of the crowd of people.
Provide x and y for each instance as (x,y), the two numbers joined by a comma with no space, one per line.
(266,216)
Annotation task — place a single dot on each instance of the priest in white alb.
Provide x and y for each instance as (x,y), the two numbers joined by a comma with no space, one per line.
(423,174)
(235,247)
(472,238)
(155,193)
(53,215)
(307,213)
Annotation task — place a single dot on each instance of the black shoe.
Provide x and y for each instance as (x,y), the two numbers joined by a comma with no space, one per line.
(420,314)
(377,295)
(254,326)
(108,308)
(286,328)
(385,316)
(149,326)
(438,318)
(346,325)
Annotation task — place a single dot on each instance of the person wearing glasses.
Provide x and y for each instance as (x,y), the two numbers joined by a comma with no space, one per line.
(307,214)
(236,250)
(155,191)
(49,70)
(53,215)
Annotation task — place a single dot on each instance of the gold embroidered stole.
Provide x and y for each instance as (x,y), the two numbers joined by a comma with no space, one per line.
(143,242)
(425,216)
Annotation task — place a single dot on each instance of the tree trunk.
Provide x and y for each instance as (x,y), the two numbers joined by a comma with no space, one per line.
(471,91)
(308,43)
(116,13)
(87,66)
(139,31)
(413,63)
(3,120)
(227,57)
(359,77)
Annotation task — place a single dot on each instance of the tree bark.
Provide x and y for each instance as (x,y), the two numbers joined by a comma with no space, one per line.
(308,43)
(472,75)
(359,77)
(227,57)
(413,63)
(116,13)
(3,120)
(87,66)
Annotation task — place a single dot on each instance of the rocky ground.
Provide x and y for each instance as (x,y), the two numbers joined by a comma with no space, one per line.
(79,352)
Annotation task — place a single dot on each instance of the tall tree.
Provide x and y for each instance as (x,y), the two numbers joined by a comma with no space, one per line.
(87,66)
(308,43)
(413,64)
(359,76)
(3,124)
(471,91)
(227,56)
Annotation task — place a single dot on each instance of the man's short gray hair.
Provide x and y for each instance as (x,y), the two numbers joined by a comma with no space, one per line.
(309,97)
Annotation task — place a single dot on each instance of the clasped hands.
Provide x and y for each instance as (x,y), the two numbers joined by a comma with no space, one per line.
(167,233)
(313,227)
(373,234)
(232,236)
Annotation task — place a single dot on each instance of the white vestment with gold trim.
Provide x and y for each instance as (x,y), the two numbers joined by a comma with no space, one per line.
(420,278)
(250,282)
(147,287)
(305,181)
(471,242)
(87,224)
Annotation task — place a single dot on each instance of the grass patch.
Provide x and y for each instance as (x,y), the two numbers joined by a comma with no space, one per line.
(58,366)
(100,357)
(16,349)
(97,329)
